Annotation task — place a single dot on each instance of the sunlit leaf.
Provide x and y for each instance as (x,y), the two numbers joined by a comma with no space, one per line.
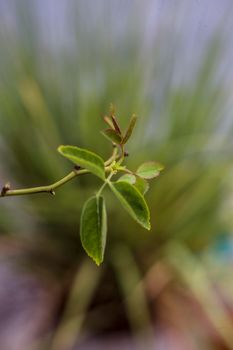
(149,170)
(142,185)
(84,158)
(112,135)
(130,178)
(139,183)
(132,200)
(130,129)
(93,228)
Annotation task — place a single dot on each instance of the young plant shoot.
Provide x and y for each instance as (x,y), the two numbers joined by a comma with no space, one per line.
(129,189)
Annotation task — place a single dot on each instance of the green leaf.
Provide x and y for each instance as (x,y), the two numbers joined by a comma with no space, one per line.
(130,129)
(112,135)
(84,158)
(142,185)
(149,170)
(93,228)
(132,200)
(130,178)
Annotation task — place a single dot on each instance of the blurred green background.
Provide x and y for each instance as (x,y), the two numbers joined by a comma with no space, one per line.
(61,65)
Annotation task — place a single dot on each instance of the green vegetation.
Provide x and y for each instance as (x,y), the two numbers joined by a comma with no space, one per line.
(93,228)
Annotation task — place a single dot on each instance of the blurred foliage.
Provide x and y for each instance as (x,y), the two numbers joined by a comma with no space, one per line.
(55,86)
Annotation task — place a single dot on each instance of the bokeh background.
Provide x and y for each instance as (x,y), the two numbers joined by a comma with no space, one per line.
(61,65)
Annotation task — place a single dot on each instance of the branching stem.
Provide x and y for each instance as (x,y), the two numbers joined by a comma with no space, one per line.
(45,189)
(7,192)
(104,184)
(113,157)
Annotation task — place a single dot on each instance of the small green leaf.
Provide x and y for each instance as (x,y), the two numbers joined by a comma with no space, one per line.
(130,129)
(84,158)
(130,178)
(93,228)
(132,200)
(142,185)
(149,170)
(112,135)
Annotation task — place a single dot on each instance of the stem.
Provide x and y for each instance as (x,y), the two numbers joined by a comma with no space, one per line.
(45,189)
(122,156)
(125,170)
(104,184)
(113,157)
(6,192)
